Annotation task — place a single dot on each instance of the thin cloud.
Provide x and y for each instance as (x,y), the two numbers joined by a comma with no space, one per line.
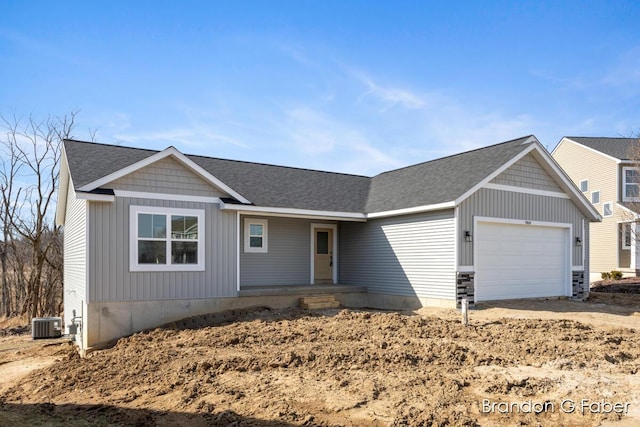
(626,71)
(391,96)
(180,137)
(322,140)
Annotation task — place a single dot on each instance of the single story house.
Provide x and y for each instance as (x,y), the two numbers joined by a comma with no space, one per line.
(153,236)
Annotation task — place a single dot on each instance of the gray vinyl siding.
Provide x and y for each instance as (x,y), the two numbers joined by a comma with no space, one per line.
(288,259)
(75,255)
(512,205)
(528,173)
(111,280)
(412,255)
(166,176)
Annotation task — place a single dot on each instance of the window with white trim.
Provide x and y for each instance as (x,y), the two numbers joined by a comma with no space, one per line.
(256,233)
(584,185)
(166,239)
(595,197)
(626,235)
(630,183)
(607,209)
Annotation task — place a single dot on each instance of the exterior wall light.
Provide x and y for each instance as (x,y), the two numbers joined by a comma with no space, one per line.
(578,241)
(468,237)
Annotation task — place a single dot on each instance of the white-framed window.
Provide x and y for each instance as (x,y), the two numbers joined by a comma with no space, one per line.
(166,239)
(626,235)
(595,197)
(607,209)
(584,185)
(630,183)
(256,235)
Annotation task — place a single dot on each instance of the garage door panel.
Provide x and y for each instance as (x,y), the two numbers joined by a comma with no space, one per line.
(520,261)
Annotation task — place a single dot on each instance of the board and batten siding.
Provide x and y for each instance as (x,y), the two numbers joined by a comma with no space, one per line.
(111,280)
(166,176)
(410,255)
(288,259)
(514,205)
(75,255)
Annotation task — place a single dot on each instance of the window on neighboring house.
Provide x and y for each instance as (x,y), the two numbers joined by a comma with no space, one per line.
(626,236)
(166,239)
(607,209)
(631,183)
(255,235)
(595,197)
(584,185)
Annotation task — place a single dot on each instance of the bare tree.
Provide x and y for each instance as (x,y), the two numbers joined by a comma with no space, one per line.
(31,176)
(10,165)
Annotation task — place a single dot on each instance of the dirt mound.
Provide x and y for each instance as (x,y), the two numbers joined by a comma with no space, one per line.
(345,367)
(628,285)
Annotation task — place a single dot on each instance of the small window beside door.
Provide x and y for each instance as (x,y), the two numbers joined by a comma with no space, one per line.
(626,236)
(256,235)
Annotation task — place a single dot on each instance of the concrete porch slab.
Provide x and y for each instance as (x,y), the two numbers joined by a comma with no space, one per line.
(255,291)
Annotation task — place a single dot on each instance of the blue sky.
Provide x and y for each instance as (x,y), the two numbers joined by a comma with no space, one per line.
(348,86)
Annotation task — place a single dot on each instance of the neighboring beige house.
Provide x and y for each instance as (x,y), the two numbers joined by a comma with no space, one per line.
(604,169)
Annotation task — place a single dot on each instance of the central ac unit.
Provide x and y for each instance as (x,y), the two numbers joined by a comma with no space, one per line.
(46,327)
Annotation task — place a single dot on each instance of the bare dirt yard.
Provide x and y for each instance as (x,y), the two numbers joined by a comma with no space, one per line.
(543,362)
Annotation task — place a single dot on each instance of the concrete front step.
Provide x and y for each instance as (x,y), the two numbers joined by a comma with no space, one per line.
(316,302)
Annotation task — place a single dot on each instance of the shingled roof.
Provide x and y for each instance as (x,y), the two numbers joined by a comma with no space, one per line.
(620,148)
(437,181)
(441,180)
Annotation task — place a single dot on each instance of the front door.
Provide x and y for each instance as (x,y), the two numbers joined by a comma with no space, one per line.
(323,256)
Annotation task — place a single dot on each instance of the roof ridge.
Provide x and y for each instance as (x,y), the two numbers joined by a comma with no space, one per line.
(603,137)
(109,145)
(455,154)
(218,158)
(278,166)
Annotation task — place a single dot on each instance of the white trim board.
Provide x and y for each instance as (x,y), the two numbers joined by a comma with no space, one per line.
(238,249)
(344,216)
(93,197)
(63,190)
(417,209)
(166,196)
(290,212)
(525,190)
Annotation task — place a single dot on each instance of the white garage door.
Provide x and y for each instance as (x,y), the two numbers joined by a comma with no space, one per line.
(520,261)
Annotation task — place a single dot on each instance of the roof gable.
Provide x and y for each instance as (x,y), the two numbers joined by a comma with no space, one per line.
(618,148)
(527,173)
(170,176)
(123,161)
(441,180)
